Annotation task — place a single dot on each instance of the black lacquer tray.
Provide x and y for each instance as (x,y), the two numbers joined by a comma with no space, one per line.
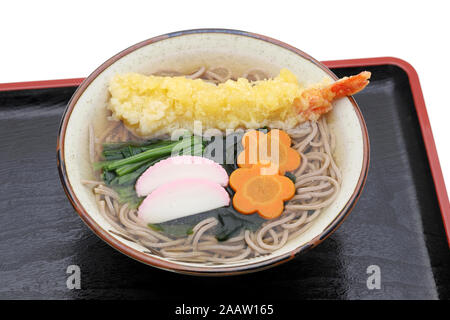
(397,224)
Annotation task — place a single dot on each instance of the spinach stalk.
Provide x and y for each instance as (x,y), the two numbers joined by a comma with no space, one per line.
(153,153)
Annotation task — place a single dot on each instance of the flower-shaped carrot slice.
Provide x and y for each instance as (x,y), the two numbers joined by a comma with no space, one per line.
(260,192)
(274,146)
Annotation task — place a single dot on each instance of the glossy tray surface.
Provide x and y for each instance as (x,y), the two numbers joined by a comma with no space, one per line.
(396,225)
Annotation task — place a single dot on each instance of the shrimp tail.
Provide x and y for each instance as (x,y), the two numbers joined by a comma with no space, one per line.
(350,85)
(314,102)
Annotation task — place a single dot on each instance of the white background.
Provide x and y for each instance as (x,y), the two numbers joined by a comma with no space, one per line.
(61,39)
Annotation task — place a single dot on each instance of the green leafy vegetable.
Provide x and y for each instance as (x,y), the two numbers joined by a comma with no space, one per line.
(232,222)
(108,176)
(152,153)
(128,168)
(155,227)
(291,176)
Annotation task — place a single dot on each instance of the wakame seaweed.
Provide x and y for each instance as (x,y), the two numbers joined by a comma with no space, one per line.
(230,224)
(174,230)
(291,176)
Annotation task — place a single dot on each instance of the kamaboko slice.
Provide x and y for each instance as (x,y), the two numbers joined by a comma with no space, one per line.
(182,198)
(180,167)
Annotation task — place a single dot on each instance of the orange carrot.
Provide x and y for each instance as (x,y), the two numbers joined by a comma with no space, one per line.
(258,147)
(257,191)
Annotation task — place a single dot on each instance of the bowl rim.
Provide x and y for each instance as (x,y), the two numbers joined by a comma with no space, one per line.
(202,270)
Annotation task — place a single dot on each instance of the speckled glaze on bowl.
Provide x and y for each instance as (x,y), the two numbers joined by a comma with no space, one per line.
(185,51)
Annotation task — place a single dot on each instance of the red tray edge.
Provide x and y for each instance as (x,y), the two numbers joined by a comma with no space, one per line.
(418,98)
(424,123)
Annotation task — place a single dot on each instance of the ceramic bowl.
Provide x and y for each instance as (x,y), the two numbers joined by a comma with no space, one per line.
(185,51)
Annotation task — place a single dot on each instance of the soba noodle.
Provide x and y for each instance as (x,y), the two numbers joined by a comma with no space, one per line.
(318,181)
